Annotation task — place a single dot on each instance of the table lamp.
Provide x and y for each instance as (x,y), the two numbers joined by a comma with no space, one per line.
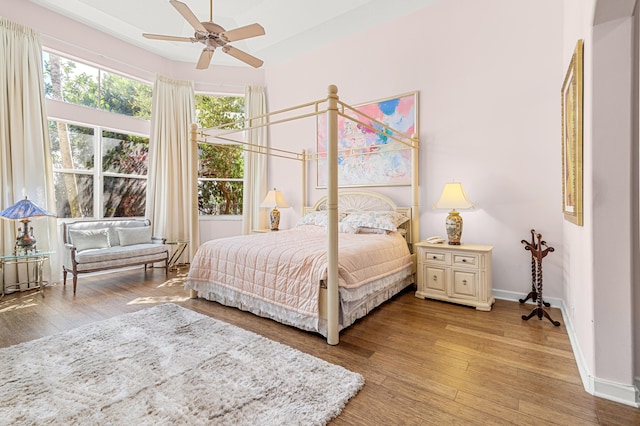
(274,199)
(23,210)
(453,197)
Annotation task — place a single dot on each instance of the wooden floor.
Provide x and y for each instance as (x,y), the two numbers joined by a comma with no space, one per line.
(424,362)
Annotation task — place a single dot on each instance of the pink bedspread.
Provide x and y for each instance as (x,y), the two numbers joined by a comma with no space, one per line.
(285,268)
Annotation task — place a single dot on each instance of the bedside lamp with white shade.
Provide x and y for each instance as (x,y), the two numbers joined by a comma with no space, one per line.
(453,197)
(274,199)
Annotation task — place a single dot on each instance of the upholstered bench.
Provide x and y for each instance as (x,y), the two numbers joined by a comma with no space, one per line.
(99,245)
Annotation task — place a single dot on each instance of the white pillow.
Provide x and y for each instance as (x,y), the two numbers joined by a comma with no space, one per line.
(134,235)
(345,228)
(86,239)
(387,220)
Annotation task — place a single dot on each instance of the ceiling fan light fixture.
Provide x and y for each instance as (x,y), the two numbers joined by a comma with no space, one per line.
(213,35)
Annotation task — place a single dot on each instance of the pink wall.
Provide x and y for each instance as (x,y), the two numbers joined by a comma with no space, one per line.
(600,256)
(489,117)
(578,255)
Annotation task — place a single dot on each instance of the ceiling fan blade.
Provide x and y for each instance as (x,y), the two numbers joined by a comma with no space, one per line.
(243,56)
(241,33)
(187,14)
(205,59)
(170,38)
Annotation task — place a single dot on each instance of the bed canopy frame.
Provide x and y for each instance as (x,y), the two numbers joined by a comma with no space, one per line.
(333,107)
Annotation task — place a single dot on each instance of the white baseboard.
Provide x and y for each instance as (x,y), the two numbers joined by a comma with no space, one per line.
(513,296)
(624,394)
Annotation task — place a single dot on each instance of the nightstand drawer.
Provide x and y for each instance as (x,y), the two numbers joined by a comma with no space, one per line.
(466,259)
(435,256)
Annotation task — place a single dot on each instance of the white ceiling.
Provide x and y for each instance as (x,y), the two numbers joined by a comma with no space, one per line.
(292,26)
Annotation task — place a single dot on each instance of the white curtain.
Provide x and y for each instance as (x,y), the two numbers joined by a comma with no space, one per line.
(255,165)
(25,153)
(172,201)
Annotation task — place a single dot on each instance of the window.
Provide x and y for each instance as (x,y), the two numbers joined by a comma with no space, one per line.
(220,167)
(98,172)
(81,84)
(115,187)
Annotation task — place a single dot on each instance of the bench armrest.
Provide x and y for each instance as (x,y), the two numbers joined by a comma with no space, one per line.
(69,255)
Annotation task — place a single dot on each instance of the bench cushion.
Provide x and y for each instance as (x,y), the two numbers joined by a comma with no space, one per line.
(120,256)
(125,253)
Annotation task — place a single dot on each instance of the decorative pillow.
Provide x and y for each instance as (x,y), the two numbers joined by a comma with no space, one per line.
(86,239)
(135,235)
(387,220)
(320,218)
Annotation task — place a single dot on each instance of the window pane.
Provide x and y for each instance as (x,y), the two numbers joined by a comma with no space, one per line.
(70,81)
(219,197)
(125,96)
(74,195)
(81,84)
(220,161)
(212,111)
(122,153)
(124,197)
(71,146)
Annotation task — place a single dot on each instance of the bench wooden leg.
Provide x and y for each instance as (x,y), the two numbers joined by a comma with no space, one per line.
(75,283)
(64,276)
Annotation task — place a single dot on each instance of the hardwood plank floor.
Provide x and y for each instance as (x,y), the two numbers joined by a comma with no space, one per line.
(424,362)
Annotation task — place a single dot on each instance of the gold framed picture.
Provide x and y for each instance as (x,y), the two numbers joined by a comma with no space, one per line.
(572,138)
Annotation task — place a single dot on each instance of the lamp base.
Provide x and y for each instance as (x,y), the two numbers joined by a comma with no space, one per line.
(454,227)
(274,219)
(26,240)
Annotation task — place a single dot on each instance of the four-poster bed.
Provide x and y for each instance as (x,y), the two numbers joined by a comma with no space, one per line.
(326,293)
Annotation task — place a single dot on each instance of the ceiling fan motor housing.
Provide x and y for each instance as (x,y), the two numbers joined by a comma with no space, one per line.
(212,37)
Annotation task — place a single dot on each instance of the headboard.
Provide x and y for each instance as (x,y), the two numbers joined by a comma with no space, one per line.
(354,201)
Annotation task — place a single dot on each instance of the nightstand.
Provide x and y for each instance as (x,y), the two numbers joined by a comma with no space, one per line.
(458,274)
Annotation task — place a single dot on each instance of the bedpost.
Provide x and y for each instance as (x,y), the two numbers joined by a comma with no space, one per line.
(304,182)
(415,195)
(332,208)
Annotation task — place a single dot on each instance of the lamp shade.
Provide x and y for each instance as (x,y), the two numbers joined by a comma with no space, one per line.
(453,197)
(274,198)
(24,209)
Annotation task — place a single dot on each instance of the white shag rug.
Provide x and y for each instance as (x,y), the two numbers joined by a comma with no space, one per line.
(168,365)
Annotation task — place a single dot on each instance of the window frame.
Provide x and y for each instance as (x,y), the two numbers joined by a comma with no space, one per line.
(97,173)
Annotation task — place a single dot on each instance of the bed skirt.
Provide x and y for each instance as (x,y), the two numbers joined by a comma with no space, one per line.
(354,303)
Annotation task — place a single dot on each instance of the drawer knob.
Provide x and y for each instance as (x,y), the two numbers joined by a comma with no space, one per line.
(435,278)
(464,260)
(434,257)
(464,282)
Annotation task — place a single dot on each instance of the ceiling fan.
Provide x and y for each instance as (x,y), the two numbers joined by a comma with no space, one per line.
(212,36)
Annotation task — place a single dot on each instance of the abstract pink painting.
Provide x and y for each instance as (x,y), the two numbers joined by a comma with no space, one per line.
(369,157)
